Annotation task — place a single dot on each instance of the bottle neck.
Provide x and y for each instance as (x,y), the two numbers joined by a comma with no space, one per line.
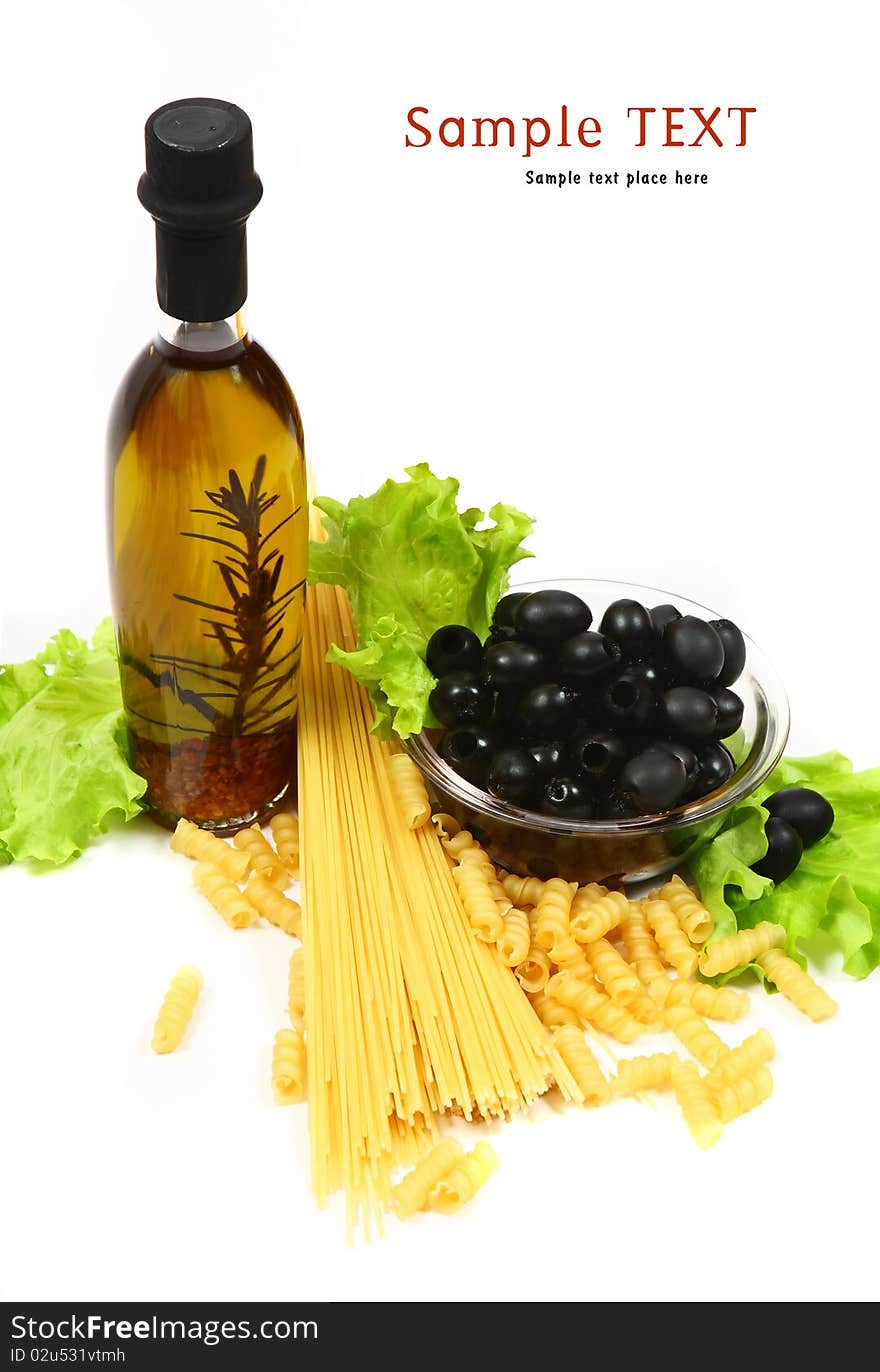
(200,276)
(208,340)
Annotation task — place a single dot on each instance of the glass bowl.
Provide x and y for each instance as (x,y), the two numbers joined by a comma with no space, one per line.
(620,850)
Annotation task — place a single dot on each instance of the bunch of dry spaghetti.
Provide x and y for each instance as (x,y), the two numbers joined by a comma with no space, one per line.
(408,1014)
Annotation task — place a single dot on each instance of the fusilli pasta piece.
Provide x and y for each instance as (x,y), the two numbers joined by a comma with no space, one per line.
(412,1192)
(263,858)
(409,789)
(797,985)
(692,915)
(460,842)
(700,1041)
(552,1013)
(715,1002)
(285,831)
(203,846)
(523,891)
(503,904)
(651,1073)
(552,912)
(570,957)
(224,895)
(596,911)
(515,939)
(700,1114)
(615,974)
(478,901)
(534,972)
(296,988)
(641,948)
(737,1097)
(674,945)
(738,949)
(464,1180)
(446,826)
(582,1065)
(289,1067)
(593,1006)
(277,908)
(743,1061)
(176,1009)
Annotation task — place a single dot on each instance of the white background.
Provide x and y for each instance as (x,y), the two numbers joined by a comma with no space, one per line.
(680,382)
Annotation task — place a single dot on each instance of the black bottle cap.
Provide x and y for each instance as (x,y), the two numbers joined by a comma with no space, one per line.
(200,186)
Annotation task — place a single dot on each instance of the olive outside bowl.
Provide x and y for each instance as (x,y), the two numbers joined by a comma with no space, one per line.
(621,850)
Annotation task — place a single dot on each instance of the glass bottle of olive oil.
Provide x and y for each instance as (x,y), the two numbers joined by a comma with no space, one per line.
(206,499)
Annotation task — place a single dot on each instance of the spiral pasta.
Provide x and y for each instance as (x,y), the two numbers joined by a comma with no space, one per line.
(743,1061)
(593,1006)
(464,1180)
(736,1098)
(478,901)
(714,1002)
(409,790)
(289,1067)
(285,831)
(552,1013)
(227,900)
(552,913)
(515,938)
(523,891)
(797,985)
(582,1065)
(740,948)
(595,912)
(700,1041)
(459,842)
(296,988)
(569,956)
(274,906)
(641,948)
(203,846)
(263,858)
(645,1073)
(176,1010)
(673,944)
(615,974)
(700,1114)
(533,972)
(692,915)
(412,1192)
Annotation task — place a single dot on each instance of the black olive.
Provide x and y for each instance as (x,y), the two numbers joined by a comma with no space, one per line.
(784,851)
(687,712)
(628,702)
(551,616)
(468,750)
(505,610)
(586,657)
(661,615)
(734,651)
(567,798)
(549,756)
(597,753)
(453,649)
(629,625)
(645,671)
(612,805)
(513,665)
(548,710)
(692,650)
(685,754)
(653,781)
(730,712)
(716,767)
(808,813)
(499,634)
(461,698)
(513,775)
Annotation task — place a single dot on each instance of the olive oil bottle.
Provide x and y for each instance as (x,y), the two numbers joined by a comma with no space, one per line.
(206,499)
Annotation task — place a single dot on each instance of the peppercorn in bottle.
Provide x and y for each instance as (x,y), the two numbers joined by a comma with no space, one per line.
(206,499)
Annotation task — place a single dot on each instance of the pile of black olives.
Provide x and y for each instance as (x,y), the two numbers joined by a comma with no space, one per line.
(798,819)
(552,715)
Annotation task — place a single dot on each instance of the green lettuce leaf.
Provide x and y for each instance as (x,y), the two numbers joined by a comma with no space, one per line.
(412,562)
(835,891)
(63,767)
